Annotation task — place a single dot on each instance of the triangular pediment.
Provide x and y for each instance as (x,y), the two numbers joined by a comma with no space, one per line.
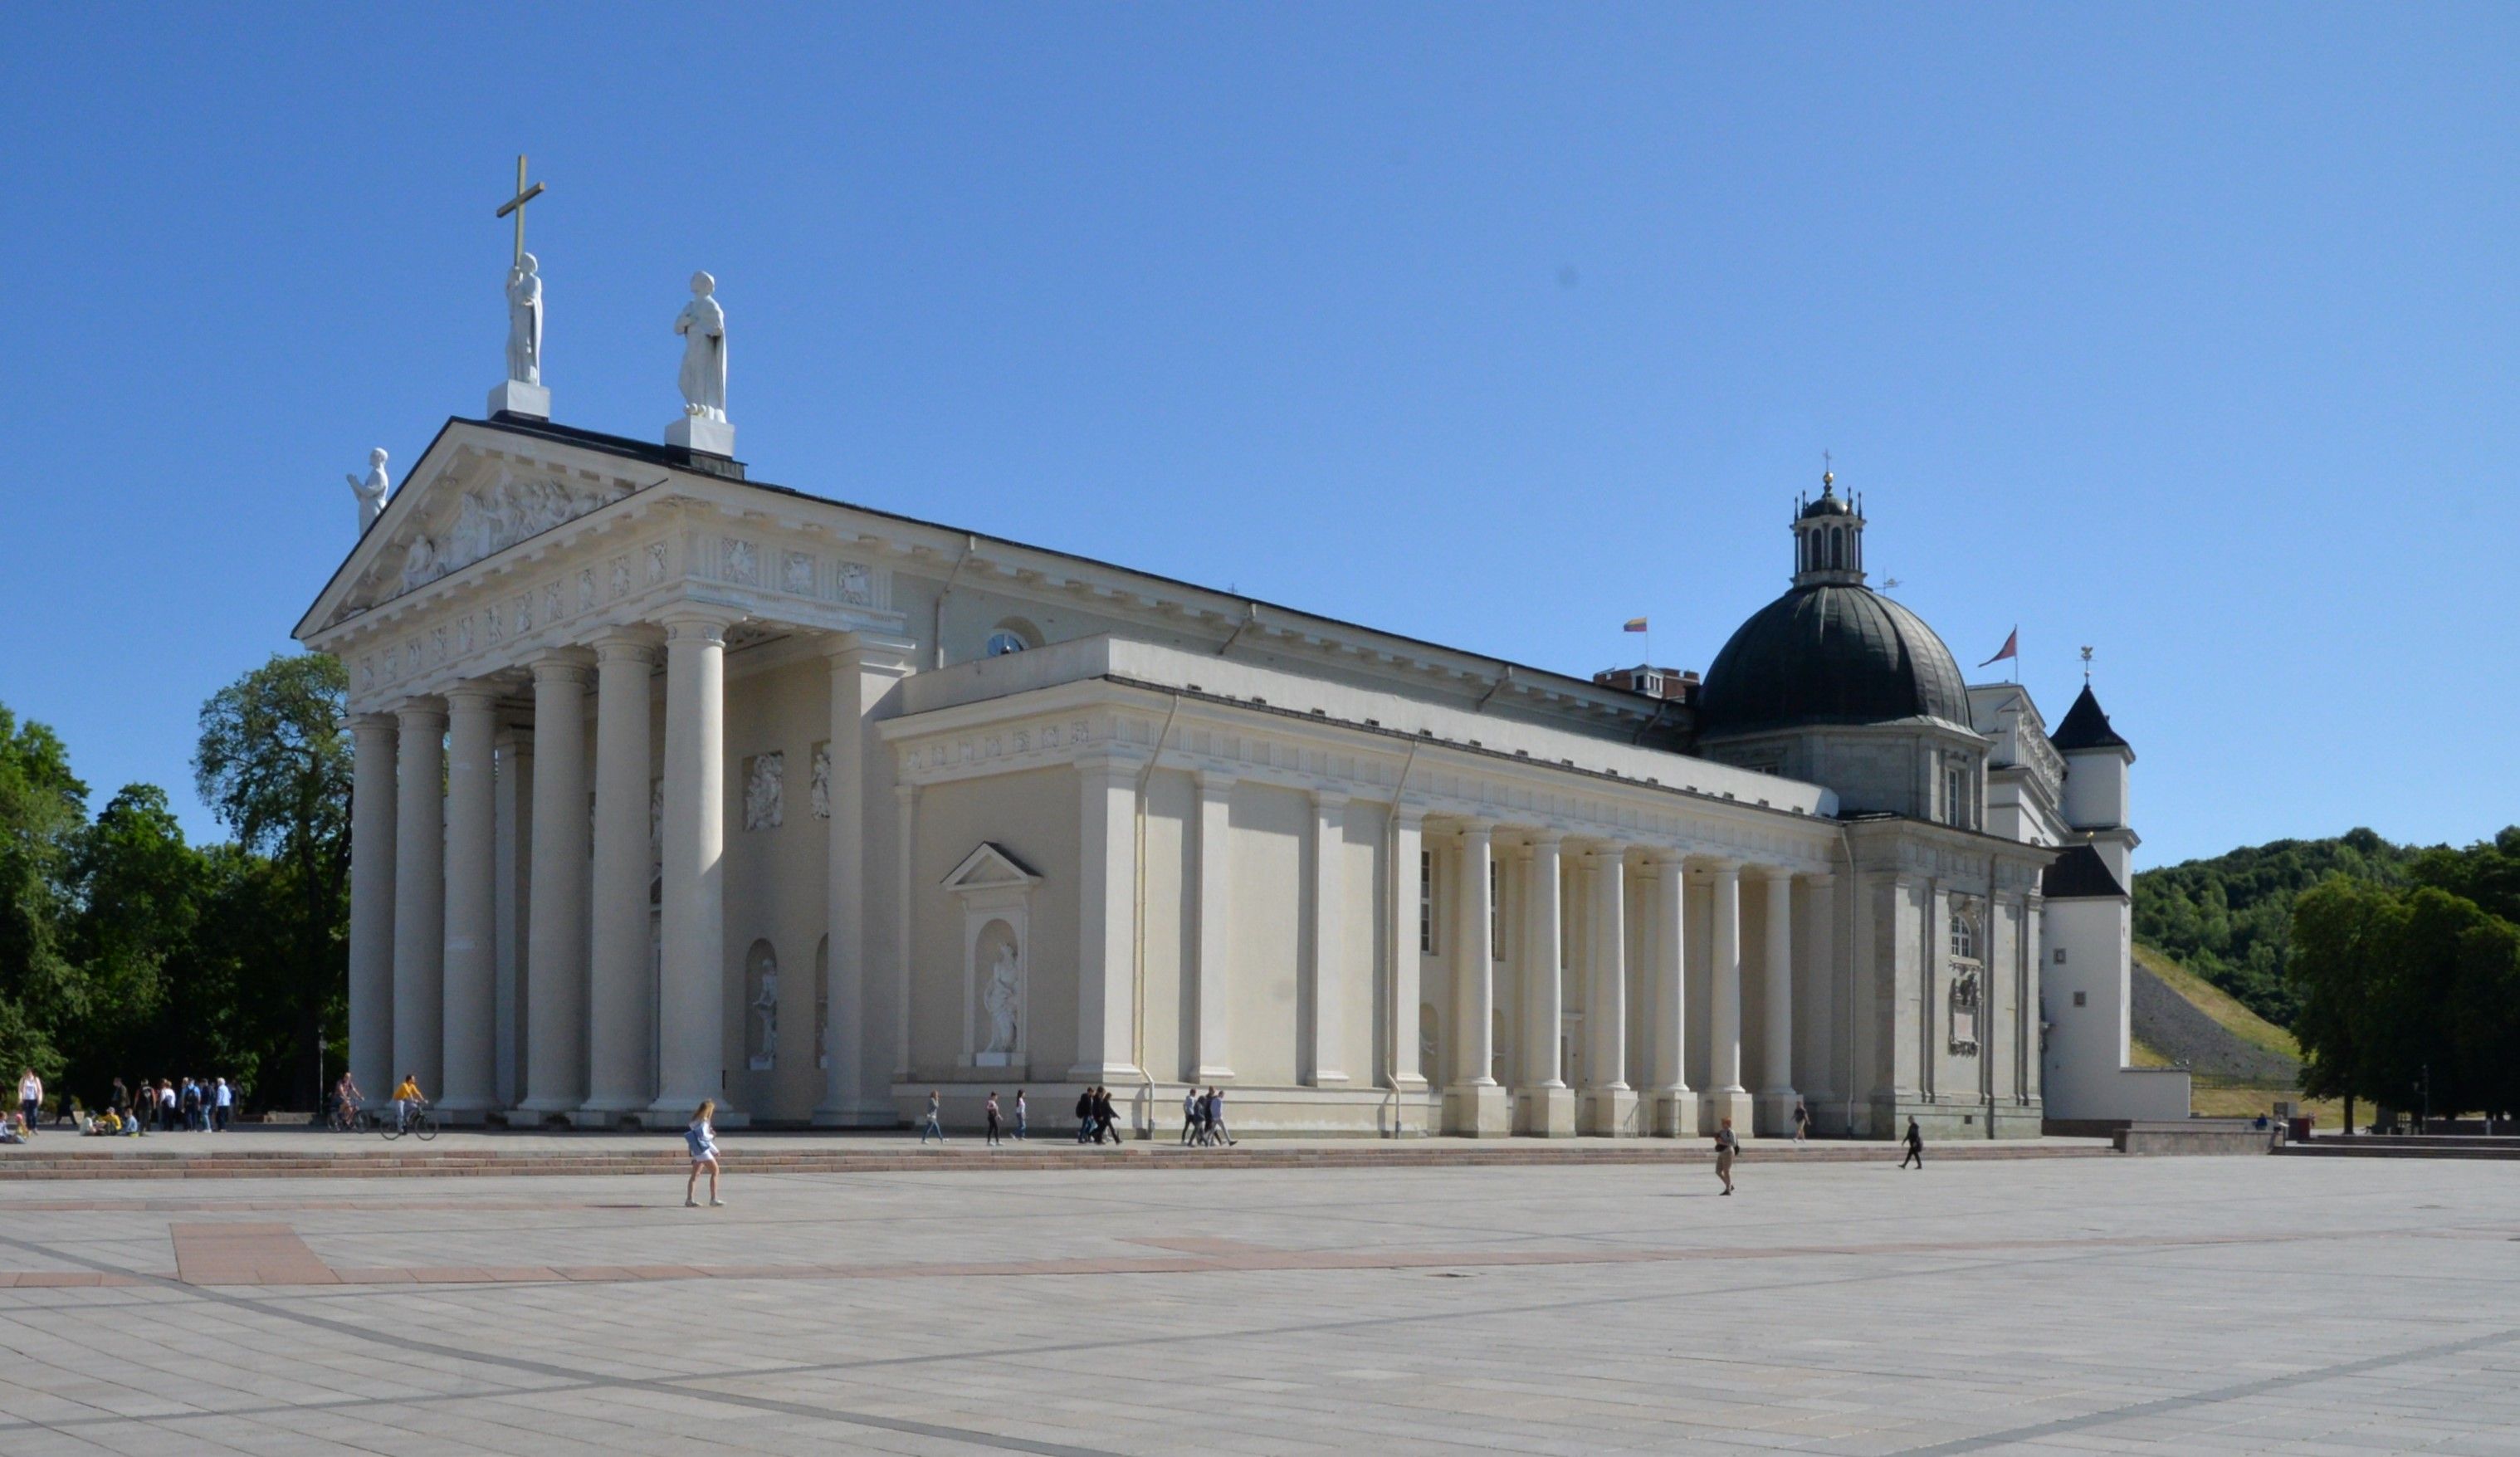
(474,493)
(990,867)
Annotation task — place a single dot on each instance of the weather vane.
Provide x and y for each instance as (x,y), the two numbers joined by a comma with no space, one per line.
(2087,665)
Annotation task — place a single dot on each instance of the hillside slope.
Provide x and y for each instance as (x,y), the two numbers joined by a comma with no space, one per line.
(2184,1019)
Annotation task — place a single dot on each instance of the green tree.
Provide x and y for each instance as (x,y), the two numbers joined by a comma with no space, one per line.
(139,888)
(43,807)
(274,765)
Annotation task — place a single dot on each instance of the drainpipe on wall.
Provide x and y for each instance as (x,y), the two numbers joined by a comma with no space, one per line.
(970,544)
(1137,928)
(1250,616)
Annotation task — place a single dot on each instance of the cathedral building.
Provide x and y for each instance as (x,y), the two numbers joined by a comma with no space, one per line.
(673,783)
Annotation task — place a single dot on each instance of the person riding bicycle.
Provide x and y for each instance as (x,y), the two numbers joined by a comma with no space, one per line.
(407,1099)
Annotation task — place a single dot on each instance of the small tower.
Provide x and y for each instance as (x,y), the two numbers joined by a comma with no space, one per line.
(2096,782)
(1828,538)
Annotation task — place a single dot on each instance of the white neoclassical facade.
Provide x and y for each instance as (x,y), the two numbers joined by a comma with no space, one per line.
(674,785)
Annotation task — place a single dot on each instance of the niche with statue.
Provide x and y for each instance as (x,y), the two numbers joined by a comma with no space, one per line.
(996,891)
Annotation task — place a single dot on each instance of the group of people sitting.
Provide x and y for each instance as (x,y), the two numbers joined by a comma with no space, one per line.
(187,1104)
(1203,1118)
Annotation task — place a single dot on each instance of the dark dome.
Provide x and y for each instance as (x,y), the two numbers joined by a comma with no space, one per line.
(1827,504)
(1829,652)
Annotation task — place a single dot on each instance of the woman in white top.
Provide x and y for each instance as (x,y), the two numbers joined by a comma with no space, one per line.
(702,1140)
(31,1095)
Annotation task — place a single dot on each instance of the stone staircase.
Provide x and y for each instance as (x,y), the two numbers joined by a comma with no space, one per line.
(2402,1146)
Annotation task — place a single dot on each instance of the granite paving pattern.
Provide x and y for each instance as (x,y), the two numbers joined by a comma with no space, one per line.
(2231,1304)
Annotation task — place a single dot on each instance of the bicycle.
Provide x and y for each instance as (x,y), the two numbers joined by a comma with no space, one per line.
(421,1124)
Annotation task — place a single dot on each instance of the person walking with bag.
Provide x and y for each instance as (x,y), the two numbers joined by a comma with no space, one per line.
(935,1106)
(1726,1145)
(1801,1120)
(1915,1146)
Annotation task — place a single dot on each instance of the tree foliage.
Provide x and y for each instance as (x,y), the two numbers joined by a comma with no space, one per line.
(126,950)
(2230,919)
(2410,993)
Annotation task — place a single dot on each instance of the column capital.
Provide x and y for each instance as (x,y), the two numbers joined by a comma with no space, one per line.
(634,642)
(563,665)
(1724,869)
(1113,764)
(1818,878)
(1215,784)
(473,696)
(1478,830)
(1326,796)
(1610,849)
(369,723)
(1545,837)
(420,708)
(698,621)
(1411,813)
(1775,875)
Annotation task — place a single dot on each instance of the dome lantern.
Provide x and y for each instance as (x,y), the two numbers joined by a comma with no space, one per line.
(1828,538)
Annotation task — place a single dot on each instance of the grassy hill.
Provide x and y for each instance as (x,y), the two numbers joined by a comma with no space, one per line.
(2240,1063)
(2229,919)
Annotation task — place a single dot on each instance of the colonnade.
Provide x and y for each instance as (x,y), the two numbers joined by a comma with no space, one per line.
(1535,1097)
(424,893)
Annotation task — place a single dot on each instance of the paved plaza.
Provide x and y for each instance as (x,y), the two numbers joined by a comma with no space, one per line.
(2078,1305)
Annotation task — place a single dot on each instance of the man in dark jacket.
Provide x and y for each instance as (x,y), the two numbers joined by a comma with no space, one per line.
(1915,1146)
(1085,1116)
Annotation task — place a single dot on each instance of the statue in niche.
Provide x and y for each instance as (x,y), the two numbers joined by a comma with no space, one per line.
(702,326)
(999,1001)
(764,1030)
(764,790)
(822,786)
(371,489)
(526,321)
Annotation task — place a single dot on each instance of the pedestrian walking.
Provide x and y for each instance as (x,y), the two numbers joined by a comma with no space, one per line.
(1191,1120)
(1107,1117)
(31,1095)
(700,1138)
(165,1105)
(935,1106)
(1727,1146)
(1019,1115)
(1916,1146)
(1084,1115)
(992,1110)
(1801,1120)
(1216,1128)
(223,1100)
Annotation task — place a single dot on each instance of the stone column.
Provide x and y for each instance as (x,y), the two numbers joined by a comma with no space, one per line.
(1107,922)
(1209,1059)
(691,1010)
(1544,1105)
(372,905)
(419,898)
(1816,1068)
(471,1028)
(515,815)
(1325,1039)
(1776,1109)
(1408,844)
(618,979)
(1674,1106)
(862,670)
(904,905)
(1610,1103)
(1473,1104)
(556,921)
(1724,1096)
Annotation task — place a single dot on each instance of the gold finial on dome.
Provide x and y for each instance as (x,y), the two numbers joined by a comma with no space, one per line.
(1828,476)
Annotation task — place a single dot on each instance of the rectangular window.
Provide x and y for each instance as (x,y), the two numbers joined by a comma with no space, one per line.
(1426,901)
(2061,956)
(2078,998)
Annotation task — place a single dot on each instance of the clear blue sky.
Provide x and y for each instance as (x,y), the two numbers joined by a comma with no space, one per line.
(2185,332)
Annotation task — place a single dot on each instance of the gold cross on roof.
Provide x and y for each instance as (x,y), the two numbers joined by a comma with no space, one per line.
(516,205)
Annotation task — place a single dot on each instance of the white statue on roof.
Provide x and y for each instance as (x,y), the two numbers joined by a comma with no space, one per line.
(702,326)
(371,489)
(526,321)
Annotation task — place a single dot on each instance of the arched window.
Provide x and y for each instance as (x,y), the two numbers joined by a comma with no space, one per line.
(1013,635)
(1963,932)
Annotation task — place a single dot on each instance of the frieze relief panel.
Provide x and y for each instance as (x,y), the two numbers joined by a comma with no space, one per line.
(489,518)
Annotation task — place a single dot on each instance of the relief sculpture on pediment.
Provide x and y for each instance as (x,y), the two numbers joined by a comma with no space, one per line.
(493,518)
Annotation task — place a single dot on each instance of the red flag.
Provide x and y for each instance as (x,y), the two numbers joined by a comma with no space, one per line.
(2012,648)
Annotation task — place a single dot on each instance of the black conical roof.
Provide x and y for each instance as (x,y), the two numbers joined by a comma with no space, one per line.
(1831,653)
(2086,727)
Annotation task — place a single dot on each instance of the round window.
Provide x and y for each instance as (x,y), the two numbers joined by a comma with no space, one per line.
(1002,642)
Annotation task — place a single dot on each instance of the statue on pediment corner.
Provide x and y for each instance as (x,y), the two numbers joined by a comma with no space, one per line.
(371,489)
